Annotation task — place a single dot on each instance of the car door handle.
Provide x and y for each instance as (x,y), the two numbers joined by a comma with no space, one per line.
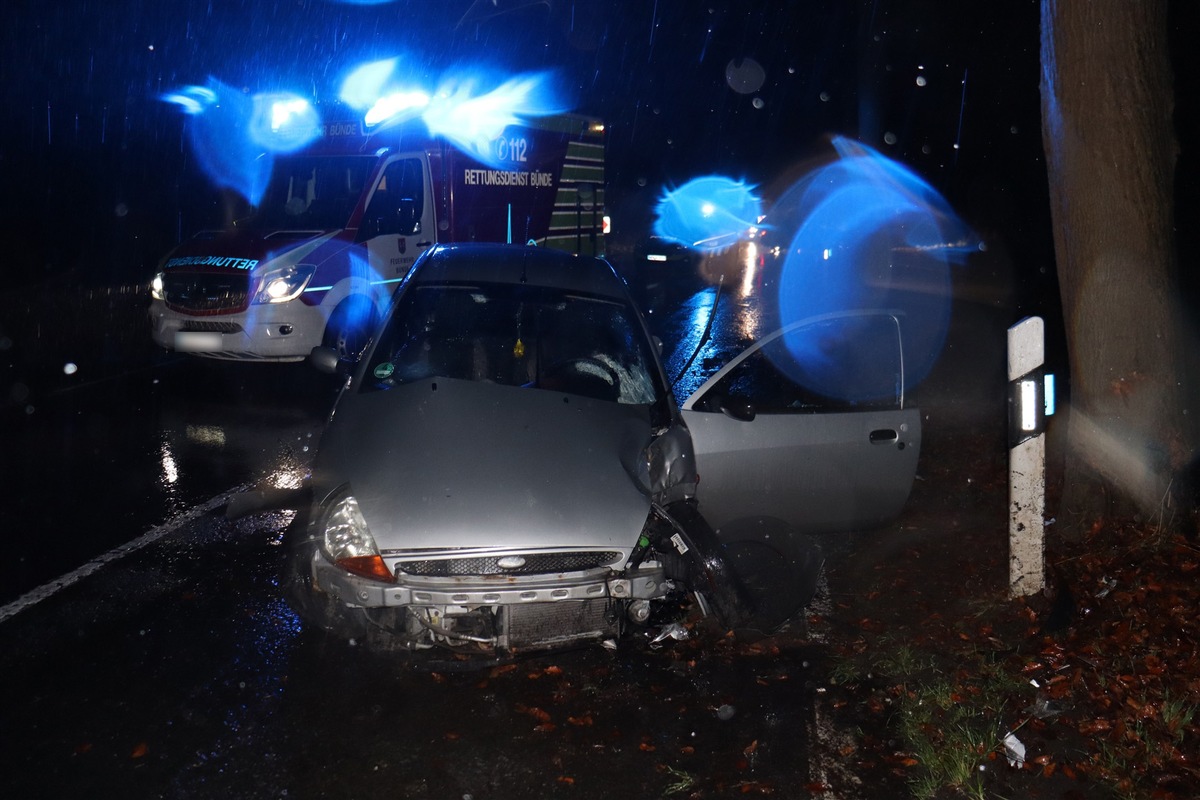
(884,436)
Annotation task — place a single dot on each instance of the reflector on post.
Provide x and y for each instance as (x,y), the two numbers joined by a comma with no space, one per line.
(1027,407)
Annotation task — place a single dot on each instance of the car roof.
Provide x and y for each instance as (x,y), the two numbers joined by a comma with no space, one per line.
(517,264)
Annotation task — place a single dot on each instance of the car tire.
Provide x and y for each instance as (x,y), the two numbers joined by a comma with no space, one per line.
(350,327)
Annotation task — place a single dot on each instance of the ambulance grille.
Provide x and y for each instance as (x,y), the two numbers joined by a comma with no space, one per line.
(210,326)
(202,292)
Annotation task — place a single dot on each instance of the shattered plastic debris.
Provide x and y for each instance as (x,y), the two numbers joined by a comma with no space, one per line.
(674,631)
(610,644)
(1014,750)
(1043,708)
(1109,584)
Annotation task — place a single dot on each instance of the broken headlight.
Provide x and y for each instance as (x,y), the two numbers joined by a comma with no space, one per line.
(349,544)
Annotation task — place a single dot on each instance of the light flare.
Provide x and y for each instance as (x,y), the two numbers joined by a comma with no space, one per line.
(710,213)
(235,136)
(865,232)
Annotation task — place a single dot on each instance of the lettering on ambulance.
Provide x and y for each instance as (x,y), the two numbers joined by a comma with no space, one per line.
(501,177)
(212,261)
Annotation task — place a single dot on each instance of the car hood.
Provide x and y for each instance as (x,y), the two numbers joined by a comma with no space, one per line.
(444,463)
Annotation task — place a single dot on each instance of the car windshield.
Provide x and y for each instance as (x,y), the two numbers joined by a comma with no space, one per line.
(515,335)
(312,192)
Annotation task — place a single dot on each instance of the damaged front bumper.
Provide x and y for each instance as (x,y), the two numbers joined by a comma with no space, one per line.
(505,612)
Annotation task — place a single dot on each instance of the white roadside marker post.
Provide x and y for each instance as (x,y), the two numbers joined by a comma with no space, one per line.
(1027,389)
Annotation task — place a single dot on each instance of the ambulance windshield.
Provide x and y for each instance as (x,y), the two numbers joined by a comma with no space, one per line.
(313,192)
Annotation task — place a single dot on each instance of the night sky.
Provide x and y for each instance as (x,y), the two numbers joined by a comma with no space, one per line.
(99,182)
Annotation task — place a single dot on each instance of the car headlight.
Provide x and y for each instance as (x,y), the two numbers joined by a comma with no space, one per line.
(349,544)
(156,287)
(283,284)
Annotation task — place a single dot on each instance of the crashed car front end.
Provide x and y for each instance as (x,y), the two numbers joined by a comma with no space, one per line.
(489,598)
(498,474)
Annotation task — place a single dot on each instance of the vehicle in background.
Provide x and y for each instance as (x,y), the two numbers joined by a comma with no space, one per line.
(344,219)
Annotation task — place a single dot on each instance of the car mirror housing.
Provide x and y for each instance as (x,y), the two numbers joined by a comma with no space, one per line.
(327,360)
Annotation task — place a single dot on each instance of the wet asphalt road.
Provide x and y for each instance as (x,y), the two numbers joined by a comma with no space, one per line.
(172,668)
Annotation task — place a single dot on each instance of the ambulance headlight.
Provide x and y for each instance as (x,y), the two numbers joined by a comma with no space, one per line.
(283,284)
(156,287)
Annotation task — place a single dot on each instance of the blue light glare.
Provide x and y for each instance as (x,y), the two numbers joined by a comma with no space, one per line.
(473,121)
(365,84)
(235,136)
(462,112)
(396,107)
(283,123)
(865,232)
(708,213)
(219,131)
(192,99)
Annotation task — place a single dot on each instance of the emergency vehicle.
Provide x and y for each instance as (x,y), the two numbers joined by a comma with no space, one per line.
(342,221)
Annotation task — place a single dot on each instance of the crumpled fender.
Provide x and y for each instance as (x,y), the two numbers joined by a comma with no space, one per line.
(668,467)
(708,572)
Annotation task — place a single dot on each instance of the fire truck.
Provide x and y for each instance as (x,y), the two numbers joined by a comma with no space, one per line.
(341,222)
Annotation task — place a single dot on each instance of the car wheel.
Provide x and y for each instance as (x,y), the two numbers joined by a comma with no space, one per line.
(350,326)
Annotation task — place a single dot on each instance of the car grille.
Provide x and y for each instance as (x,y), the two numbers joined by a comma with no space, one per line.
(210,326)
(549,624)
(211,292)
(535,564)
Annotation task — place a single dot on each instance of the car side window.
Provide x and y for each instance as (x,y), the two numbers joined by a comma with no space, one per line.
(399,199)
(834,365)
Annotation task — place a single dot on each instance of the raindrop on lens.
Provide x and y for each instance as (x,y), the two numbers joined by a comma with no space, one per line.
(726,712)
(920,80)
(889,137)
(757,102)
(824,97)
(69,368)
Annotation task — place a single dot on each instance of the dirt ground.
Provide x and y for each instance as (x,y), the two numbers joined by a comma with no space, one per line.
(1098,678)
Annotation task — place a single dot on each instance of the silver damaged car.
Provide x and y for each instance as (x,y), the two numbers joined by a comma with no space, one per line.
(506,469)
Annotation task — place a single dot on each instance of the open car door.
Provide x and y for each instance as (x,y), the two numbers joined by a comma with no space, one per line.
(809,428)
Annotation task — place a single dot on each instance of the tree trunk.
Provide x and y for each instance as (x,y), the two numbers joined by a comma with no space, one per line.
(1111,151)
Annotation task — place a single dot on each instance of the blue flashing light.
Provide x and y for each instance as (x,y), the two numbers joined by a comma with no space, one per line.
(1048,393)
(235,136)
(473,121)
(708,213)
(365,84)
(396,107)
(283,123)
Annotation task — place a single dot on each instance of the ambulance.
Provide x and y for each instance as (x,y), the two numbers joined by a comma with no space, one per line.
(342,220)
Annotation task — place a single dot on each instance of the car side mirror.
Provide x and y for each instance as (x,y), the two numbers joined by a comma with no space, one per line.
(739,408)
(327,360)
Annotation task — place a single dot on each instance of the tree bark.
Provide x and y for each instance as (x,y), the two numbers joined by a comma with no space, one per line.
(1110,147)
